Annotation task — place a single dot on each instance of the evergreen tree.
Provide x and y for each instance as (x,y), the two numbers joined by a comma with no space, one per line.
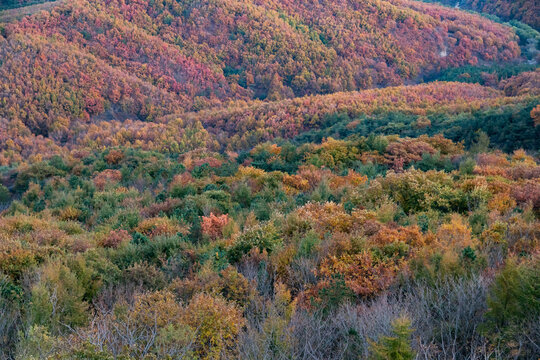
(396,347)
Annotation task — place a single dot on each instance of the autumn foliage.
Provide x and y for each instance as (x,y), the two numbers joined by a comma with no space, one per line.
(268,180)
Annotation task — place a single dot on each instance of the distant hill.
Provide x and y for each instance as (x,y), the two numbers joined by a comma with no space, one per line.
(89,59)
(527,11)
(10,14)
(13,4)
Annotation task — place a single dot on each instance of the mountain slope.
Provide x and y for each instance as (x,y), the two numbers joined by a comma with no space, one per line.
(89,59)
(13,4)
(456,110)
(527,11)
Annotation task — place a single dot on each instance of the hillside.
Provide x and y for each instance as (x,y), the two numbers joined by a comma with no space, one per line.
(268,179)
(119,251)
(456,110)
(146,59)
(14,4)
(527,11)
(18,11)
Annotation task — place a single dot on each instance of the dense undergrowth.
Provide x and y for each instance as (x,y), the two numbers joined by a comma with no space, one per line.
(133,253)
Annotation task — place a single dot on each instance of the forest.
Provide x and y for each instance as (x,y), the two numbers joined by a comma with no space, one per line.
(522,10)
(270,179)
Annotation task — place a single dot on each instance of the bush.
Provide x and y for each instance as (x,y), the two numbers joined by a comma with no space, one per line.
(218,325)
(115,239)
(264,237)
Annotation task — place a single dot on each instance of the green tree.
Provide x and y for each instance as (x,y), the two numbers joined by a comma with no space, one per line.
(396,347)
(4,194)
(481,145)
(514,296)
(514,306)
(58,299)
(265,237)
(36,343)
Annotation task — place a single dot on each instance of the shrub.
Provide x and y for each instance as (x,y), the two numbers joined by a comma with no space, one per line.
(362,272)
(218,325)
(149,326)
(212,225)
(264,237)
(160,226)
(115,239)
(145,276)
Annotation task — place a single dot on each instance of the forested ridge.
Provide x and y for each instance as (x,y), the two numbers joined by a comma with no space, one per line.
(13,4)
(523,10)
(269,179)
(87,55)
